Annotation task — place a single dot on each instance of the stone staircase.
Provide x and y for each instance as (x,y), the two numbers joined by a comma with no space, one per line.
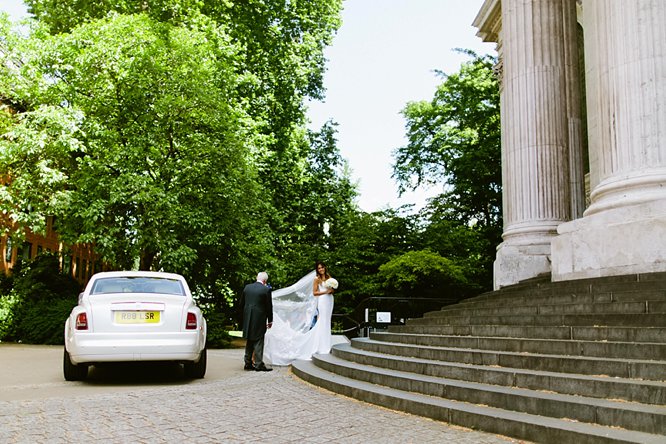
(555,362)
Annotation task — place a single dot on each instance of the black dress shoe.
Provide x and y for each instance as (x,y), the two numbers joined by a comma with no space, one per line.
(263,368)
(248,367)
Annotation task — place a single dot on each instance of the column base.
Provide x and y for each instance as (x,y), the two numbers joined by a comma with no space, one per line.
(613,242)
(518,262)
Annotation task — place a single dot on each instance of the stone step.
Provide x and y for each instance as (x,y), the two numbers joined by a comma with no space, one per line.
(621,350)
(623,368)
(641,307)
(554,290)
(578,361)
(646,392)
(494,420)
(608,284)
(617,319)
(505,331)
(569,298)
(604,286)
(551,296)
(623,334)
(632,416)
(585,333)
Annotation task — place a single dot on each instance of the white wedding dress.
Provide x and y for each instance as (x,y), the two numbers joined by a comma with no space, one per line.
(292,335)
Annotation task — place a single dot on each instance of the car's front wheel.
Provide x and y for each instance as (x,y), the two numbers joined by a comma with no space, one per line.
(197,370)
(73,372)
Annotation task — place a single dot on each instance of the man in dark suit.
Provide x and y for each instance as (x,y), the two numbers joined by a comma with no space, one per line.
(257,304)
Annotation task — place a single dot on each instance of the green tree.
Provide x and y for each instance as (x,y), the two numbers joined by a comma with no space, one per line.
(361,246)
(319,205)
(40,300)
(280,44)
(135,140)
(454,140)
(279,52)
(422,273)
(173,134)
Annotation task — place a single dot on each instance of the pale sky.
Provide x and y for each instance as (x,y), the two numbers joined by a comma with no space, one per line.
(383,56)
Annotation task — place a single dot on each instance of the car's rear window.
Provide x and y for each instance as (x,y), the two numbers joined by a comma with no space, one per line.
(138,285)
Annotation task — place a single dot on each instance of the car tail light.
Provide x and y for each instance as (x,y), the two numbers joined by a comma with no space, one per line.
(191,323)
(82,321)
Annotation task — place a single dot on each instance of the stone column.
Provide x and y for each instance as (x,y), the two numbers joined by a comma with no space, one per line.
(535,137)
(624,229)
(574,109)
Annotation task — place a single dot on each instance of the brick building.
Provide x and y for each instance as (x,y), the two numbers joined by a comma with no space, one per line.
(79,261)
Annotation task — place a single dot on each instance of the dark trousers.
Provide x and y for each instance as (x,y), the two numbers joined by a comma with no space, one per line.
(256,346)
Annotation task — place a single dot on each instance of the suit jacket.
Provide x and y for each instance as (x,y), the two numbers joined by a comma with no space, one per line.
(257,303)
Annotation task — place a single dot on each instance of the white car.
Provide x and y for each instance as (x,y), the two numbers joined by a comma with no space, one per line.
(127,316)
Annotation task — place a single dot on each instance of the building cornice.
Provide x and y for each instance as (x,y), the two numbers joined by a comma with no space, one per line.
(489,21)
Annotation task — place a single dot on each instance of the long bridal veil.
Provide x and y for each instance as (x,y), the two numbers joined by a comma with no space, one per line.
(291,336)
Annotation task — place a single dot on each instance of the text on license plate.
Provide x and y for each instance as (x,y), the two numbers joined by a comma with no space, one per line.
(137,317)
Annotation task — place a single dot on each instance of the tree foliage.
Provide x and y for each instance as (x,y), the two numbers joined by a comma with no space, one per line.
(361,245)
(137,143)
(38,302)
(280,43)
(318,206)
(454,140)
(172,135)
(422,273)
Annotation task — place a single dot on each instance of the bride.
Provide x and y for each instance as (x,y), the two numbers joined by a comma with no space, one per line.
(295,309)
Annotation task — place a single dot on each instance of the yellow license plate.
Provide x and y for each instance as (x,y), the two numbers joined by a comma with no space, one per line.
(137,317)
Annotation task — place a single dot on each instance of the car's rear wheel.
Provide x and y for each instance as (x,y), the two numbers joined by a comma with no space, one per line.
(73,372)
(197,370)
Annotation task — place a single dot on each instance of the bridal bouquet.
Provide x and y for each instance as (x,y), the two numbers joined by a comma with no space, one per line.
(331,283)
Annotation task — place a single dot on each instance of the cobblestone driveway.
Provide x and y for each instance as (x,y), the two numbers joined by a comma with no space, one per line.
(248,407)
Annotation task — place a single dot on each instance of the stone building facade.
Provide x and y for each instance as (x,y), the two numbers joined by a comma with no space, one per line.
(583,111)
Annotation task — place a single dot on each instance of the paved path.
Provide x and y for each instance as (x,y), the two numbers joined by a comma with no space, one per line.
(155,405)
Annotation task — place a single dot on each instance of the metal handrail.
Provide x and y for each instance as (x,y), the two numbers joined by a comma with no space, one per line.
(357,327)
(360,308)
